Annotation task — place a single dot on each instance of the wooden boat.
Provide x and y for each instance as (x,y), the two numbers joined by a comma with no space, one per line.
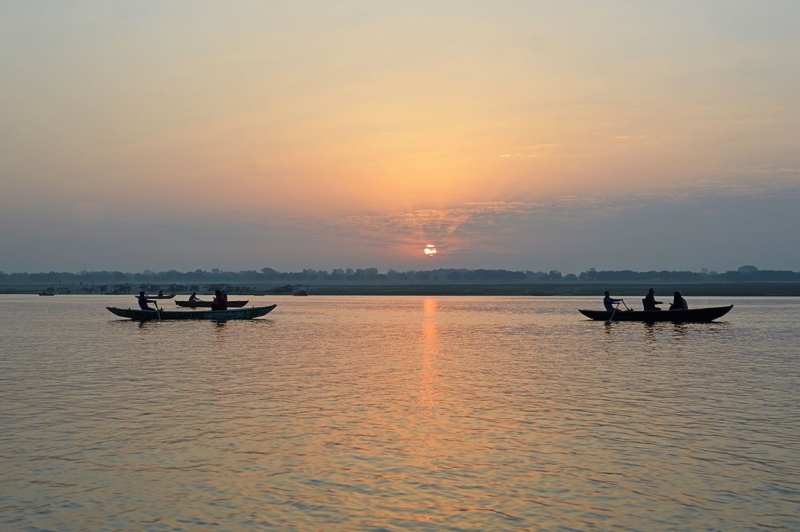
(207,304)
(218,315)
(161,297)
(698,315)
(47,294)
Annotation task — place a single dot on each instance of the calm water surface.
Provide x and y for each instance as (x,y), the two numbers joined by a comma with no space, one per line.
(377,413)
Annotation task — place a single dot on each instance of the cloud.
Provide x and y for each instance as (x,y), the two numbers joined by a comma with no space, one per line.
(705,225)
(653,230)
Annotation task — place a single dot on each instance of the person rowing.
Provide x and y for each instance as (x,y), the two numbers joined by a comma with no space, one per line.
(193,297)
(143,301)
(609,301)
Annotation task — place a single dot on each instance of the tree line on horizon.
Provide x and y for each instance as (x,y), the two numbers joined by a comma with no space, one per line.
(371,275)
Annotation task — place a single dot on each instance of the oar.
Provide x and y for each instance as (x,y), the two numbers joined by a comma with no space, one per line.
(158,310)
(612,314)
(623,302)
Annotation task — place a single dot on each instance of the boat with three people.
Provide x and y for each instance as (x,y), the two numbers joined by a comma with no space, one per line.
(698,315)
(216,315)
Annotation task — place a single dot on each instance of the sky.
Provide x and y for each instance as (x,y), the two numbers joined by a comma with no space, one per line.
(528,135)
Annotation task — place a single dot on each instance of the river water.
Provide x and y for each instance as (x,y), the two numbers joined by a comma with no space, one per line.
(413,413)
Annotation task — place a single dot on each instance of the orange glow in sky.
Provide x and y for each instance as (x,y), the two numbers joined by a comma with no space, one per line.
(318,113)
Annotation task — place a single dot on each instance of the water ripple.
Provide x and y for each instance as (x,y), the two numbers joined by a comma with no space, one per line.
(413,413)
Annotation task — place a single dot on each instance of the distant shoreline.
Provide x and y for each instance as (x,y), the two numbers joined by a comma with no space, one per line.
(761,289)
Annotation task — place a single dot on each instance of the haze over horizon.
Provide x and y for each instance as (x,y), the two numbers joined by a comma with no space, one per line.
(514,135)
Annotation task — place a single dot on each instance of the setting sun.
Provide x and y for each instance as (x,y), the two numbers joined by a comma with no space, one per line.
(430,250)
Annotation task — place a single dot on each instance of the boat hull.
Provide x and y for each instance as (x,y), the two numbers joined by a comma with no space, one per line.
(207,304)
(216,315)
(700,315)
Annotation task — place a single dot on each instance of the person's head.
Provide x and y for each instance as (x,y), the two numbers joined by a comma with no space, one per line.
(194,293)
(141,293)
(677,295)
(651,291)
(217,292)
(607,294)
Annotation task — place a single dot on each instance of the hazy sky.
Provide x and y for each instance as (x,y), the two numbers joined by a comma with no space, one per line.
(518,135)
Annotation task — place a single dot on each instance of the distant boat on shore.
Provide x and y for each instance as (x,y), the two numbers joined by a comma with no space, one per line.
(47,294)
(300,290)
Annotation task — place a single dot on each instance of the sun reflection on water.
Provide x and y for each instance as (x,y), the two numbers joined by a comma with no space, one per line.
(429,377)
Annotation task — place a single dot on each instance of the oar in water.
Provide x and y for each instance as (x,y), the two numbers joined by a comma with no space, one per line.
(612,314)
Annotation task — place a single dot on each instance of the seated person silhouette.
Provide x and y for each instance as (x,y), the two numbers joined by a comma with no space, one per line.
(143,302)
(650,302)
(678,303)
(609,301)
(220,302)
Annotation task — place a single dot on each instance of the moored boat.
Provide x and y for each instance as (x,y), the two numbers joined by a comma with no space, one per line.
(698,315)
(207,304)
(217,315)
(300,290)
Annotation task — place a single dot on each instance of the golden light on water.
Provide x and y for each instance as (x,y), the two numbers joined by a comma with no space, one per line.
(429,377)
(430,250)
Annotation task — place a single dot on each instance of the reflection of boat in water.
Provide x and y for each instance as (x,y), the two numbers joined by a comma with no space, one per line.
(698,315)
(207,304)
(218,315)
(300,290)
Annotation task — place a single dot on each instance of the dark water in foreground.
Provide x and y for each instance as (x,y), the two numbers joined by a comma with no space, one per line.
(461,413)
